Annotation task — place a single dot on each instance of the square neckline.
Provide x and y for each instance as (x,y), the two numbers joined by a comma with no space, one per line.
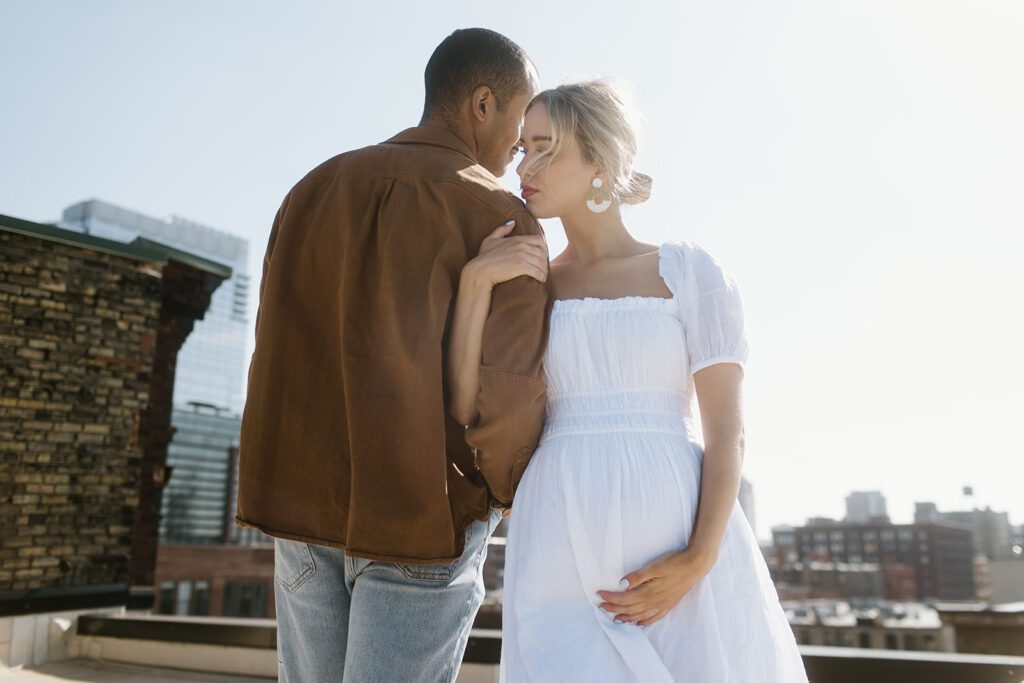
(626,298)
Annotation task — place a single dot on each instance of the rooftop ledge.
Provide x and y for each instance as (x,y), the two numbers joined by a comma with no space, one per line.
(223,649)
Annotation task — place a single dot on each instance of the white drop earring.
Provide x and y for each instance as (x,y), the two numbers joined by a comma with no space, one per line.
(597,200)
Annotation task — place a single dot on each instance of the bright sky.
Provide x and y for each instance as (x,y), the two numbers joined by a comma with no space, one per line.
(858,164)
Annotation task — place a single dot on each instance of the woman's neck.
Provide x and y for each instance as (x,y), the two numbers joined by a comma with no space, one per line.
(595,236)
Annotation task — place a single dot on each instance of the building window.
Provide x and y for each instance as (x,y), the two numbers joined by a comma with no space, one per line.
(890,642)
(166,603)
(865,639)
(201,603)
(909,641)
(183,597)
(245,598)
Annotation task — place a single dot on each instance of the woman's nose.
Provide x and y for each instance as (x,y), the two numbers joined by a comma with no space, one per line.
(520,168)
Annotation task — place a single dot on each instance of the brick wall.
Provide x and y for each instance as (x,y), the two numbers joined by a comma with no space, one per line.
(77,335)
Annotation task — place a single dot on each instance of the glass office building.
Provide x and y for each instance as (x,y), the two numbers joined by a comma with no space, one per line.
(197,501)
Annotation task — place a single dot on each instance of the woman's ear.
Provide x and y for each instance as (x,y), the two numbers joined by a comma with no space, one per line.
(599,172)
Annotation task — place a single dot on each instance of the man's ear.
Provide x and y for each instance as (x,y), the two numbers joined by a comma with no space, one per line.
(483,102)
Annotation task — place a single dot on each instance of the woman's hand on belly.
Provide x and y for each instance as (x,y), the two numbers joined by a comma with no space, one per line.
(656,588)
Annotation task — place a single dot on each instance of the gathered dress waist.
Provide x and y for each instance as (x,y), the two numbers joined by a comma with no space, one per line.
(644,409)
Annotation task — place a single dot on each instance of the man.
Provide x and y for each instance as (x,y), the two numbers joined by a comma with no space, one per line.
(380,503)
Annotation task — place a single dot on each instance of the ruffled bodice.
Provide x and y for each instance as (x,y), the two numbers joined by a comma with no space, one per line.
(626,364)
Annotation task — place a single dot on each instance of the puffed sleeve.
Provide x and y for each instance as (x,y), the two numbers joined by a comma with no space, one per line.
(709,306)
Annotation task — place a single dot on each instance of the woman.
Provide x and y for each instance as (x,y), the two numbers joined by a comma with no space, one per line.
(628,556)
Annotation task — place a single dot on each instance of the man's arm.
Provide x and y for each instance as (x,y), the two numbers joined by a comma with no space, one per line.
(512,394)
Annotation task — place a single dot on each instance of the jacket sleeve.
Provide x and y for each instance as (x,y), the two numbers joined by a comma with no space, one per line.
(512,394)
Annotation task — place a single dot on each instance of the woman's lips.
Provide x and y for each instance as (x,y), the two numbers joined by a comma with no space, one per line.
(528,192)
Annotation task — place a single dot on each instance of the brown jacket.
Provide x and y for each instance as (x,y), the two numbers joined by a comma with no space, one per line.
(346,436)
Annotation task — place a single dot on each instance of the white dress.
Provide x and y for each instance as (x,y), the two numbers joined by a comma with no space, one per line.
(614,484)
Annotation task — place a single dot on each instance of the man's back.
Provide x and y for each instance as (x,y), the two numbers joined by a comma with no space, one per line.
(346,439)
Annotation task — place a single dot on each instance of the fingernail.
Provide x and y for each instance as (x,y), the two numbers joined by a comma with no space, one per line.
(512,222)
(624,584)
(619,621)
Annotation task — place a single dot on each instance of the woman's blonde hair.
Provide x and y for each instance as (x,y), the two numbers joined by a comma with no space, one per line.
(597,116)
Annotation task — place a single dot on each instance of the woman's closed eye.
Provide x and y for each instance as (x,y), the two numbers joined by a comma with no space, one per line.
(521,148)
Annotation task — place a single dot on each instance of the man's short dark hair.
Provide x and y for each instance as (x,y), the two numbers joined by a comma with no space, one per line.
(467,59)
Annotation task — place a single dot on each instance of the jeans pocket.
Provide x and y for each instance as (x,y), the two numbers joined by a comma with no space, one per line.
(431,573)
(293,563)
(438,573)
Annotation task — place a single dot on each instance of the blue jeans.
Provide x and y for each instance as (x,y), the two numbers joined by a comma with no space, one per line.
(352,620)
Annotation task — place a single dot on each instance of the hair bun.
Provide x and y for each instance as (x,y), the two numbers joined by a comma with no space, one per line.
(639,189)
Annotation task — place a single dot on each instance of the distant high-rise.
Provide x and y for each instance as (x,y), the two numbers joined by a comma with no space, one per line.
(993,533)
(926,513)
(197,505)
(865,506)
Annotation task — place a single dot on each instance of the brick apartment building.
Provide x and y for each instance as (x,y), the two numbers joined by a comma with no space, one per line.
(89,333)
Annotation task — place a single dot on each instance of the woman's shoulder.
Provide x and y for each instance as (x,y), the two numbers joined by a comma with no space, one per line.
(690,264)
(687,251)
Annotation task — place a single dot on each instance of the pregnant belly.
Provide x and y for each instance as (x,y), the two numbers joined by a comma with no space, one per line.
(627,496)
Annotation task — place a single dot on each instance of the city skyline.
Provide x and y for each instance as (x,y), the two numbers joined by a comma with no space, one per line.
(855,166)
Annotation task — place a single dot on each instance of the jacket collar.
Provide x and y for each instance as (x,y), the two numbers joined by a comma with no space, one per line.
(433,135)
